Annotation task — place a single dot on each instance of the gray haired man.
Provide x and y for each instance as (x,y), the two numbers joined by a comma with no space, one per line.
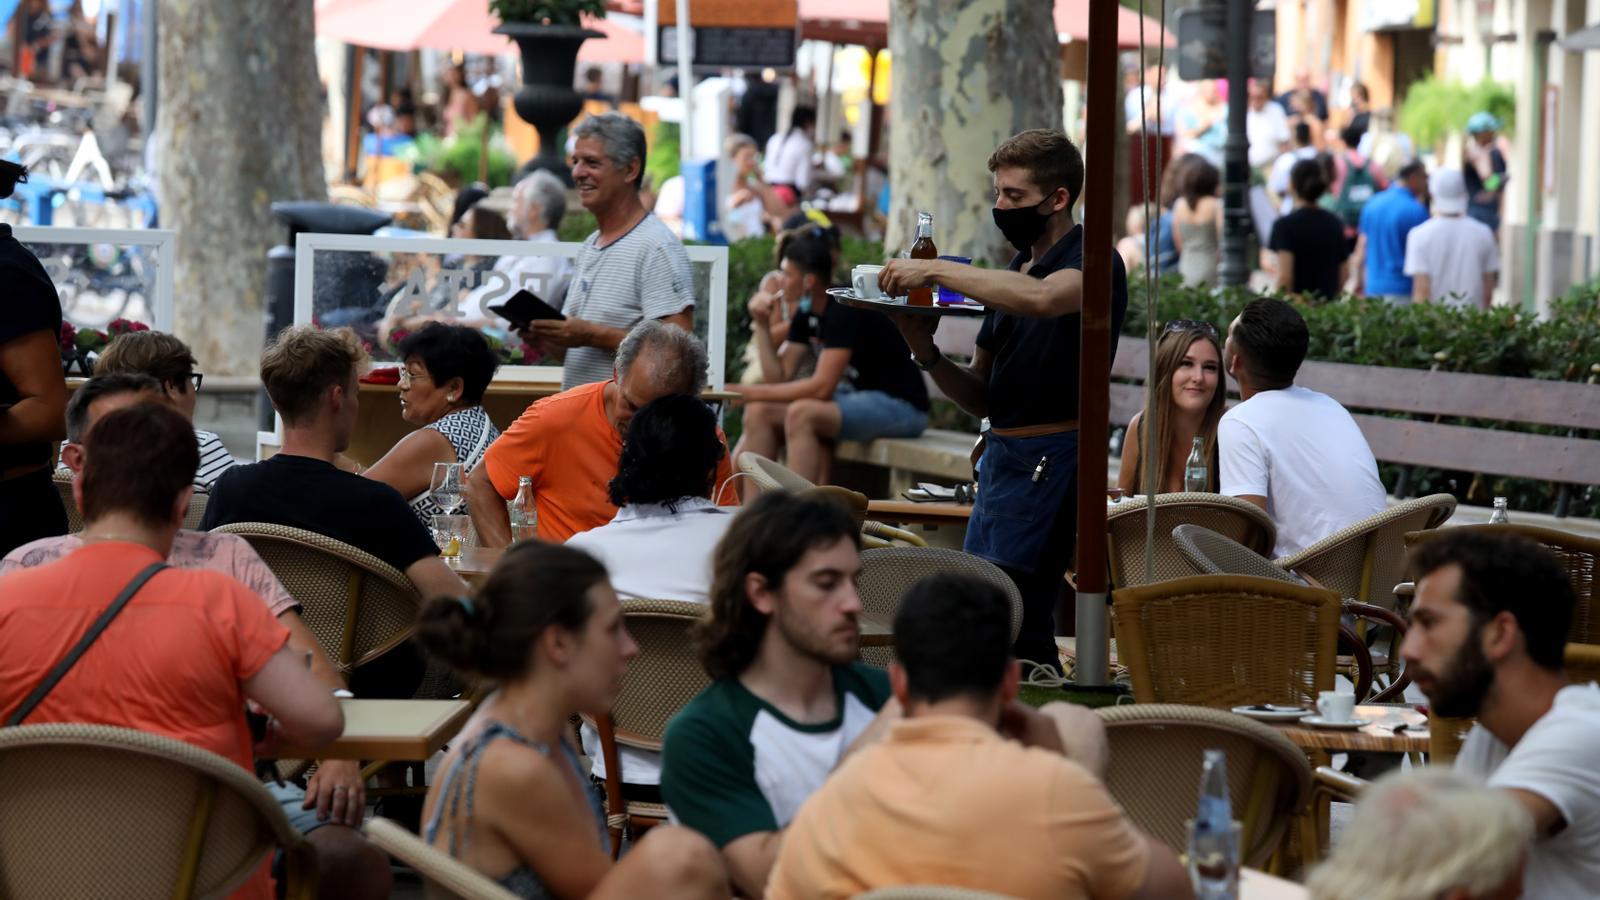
(569,444)
(632,268)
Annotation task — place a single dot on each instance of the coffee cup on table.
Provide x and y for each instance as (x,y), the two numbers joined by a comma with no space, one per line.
(864,281)
(1336,706)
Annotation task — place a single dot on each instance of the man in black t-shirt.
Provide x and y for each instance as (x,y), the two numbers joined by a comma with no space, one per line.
(310,375)
(1313,256)
(864,385)
(33,390)
(1024,374)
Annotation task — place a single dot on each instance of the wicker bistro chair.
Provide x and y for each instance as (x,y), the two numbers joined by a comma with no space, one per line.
(774,477)
(97,811)
(358,606)
(1214,554)
(1125,532)
(443,876)
(63,480)
(887,573)
(1156,752)
(1363,561)
(1578,554)
(664,677)
(1227,640)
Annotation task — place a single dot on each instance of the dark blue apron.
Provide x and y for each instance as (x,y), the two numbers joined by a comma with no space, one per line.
(1014,515)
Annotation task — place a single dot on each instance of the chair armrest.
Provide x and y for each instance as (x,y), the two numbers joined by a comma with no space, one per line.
(1357,649)
(890,533)
(1397,688)
(1338,785)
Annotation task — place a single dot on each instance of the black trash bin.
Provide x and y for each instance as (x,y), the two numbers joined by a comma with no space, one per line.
(352,281)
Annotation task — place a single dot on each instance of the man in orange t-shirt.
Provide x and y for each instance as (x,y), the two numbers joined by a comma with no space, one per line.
(191,645)
(569,444)
(916,807)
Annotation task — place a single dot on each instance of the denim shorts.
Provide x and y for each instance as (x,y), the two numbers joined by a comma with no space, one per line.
(290,797)
(868,415)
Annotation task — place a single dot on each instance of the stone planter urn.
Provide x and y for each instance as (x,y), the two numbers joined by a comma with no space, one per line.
(547,100)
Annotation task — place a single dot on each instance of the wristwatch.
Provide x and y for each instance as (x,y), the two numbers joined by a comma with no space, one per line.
(928,366)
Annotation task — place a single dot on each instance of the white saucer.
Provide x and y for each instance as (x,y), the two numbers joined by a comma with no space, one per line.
(1274,713)
(1320,722)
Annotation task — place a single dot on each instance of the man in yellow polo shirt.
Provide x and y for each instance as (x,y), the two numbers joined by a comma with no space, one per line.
(948,799)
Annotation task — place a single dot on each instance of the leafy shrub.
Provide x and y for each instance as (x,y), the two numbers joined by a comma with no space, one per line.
(456,157)
(1434,108)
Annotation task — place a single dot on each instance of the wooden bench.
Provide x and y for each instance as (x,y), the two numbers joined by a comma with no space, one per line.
(1478,447)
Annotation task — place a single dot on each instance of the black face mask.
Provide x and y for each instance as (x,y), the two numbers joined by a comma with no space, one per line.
(1022,225)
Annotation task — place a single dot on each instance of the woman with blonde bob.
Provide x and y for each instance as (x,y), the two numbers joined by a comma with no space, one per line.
(511,801)
(1189,397)
(1428,834)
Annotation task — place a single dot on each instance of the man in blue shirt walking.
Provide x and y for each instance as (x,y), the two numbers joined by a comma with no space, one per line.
(1380,255)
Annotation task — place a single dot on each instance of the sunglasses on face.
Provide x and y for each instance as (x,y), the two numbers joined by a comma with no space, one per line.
(1188,324)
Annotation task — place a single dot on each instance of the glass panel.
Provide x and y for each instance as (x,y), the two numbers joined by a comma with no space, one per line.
(100,283)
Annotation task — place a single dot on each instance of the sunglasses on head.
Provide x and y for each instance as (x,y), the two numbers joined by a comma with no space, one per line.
(1189,324)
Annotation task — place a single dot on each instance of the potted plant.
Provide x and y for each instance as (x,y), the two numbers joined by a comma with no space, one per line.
(548,33)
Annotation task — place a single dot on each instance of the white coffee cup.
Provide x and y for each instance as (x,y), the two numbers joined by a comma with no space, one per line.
(1336,706)
(864,280)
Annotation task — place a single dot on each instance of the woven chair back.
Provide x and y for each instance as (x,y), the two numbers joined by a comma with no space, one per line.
(1582,663)
(1156,756)
(1578,555)
(63,482)
(197,510)
(1364,561)
(1215,554)
(443,876)
(887,573)
(665,675)
(1227,640)
(771,475)
(357,605)
(1125,532)
(96,811)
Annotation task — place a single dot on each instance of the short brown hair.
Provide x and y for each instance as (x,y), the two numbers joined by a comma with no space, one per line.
(154,353)
(139,459)
(769,538)
(1049,156)
(304,361)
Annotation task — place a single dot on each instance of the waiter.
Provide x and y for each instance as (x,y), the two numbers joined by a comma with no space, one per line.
(33,389)
(1024,373)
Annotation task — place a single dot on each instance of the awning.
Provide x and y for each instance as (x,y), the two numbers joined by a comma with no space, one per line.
(464,25)
(866,22)
(1579,41)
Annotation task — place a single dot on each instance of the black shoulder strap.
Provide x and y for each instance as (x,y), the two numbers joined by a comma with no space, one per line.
(67,662)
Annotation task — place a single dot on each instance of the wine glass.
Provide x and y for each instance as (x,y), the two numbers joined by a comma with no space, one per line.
(445,488)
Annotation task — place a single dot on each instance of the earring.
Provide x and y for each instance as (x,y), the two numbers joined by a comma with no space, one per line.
(450,398)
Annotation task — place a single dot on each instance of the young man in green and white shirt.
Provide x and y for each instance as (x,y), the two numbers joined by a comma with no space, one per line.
(789,701)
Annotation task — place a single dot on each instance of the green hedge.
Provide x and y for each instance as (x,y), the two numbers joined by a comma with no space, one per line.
(1501,341)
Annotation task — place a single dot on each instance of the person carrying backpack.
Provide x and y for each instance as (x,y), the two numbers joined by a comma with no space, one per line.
(1354,181)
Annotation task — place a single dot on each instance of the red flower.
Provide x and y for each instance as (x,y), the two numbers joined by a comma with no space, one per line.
(68,337)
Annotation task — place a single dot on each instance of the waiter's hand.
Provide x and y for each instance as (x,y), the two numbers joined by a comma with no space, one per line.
(563,332)
(917,330)
(899,276)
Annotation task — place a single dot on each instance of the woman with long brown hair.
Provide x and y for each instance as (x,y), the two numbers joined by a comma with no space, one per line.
(1189,397)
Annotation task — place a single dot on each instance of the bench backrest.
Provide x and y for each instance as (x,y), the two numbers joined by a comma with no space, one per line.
(1559,404)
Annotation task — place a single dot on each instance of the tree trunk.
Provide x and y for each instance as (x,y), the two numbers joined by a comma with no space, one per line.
(967,75)
(239,127)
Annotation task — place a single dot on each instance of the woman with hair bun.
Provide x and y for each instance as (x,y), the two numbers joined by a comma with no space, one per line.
(547,630)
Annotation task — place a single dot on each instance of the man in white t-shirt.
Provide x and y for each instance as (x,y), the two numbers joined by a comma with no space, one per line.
(1488,627)
(1452,258)
(1291,451)
(1266,126)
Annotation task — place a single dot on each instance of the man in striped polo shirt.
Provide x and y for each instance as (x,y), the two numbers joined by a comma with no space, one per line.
(632,268)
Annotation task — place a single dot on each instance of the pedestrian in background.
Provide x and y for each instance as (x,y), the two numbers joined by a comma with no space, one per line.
(1452,258)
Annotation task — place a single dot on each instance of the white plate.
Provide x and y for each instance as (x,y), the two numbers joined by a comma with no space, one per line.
(1320,722)
(1273,713)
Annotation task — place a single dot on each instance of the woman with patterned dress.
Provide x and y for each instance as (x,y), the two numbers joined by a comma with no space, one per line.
(444,371)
